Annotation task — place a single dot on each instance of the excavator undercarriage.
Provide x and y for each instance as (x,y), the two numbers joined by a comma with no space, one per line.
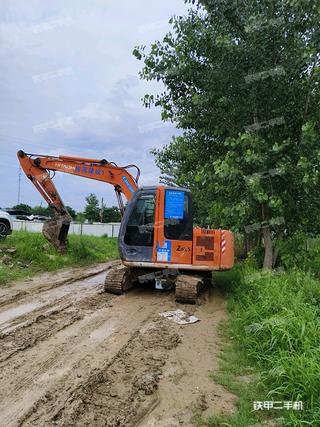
(187,286)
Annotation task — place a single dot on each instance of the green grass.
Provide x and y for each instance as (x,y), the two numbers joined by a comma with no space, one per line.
(273,339)
(301,252)
(39,256)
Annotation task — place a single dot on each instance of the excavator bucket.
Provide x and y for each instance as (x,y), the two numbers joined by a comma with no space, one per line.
(56,230)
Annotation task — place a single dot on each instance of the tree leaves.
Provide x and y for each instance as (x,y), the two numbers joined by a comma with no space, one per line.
(242,80)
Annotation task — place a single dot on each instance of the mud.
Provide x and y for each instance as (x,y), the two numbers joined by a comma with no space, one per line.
(72,355)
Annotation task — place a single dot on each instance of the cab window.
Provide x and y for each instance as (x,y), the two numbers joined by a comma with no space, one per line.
(140,228)
(178,215)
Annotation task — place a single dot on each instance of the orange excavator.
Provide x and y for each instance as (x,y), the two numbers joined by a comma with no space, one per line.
(156,238)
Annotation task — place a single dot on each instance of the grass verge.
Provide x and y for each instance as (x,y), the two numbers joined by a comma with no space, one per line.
(271,350)
(34,255)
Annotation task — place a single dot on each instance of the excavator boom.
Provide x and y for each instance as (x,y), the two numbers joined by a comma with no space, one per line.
(40,170)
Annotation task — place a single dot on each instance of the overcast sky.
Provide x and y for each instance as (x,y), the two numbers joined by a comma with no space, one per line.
(69,85)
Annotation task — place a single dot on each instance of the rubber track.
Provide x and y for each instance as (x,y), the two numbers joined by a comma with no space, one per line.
(118,280)
(188,288)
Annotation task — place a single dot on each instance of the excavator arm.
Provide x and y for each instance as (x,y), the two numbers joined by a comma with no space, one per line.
(40,169)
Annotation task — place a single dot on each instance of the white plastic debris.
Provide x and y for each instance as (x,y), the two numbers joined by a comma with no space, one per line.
(180,317)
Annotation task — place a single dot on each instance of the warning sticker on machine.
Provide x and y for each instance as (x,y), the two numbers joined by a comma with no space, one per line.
(164,252)
(174,204)
(162,256)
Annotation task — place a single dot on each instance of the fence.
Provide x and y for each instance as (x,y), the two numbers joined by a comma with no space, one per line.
(95,229)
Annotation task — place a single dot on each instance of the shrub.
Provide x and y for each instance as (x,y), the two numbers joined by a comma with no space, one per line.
(34,254)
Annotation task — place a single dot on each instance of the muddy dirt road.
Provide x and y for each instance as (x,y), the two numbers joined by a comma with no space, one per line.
(72,355)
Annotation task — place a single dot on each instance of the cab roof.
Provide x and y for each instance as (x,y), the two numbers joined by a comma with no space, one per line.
(166,187)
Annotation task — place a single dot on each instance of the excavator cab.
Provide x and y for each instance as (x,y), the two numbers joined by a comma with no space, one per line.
(157,222)
(157,232)
(157,227)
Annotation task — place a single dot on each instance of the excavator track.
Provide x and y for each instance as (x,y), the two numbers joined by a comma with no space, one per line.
(188,288)
(118,280)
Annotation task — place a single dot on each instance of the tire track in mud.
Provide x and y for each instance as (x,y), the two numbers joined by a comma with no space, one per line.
(59,351)
(46,312)
(44,325)
(81,357)
(120,392)
(47,281)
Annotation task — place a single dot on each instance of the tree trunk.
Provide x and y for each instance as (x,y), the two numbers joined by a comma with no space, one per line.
(275,256)
(251,241)
(268,248)
(276,249)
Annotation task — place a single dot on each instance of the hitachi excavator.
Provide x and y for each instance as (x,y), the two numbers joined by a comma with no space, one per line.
(156,239)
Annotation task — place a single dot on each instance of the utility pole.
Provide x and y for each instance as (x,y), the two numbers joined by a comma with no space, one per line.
(19,185)
(101,211)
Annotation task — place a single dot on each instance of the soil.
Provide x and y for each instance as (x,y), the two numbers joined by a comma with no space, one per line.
(73,355)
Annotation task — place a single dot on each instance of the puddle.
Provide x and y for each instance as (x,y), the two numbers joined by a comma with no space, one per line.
(21,310)
(94,280)
(103,332)
(8,327)
(85,286)
(90,283)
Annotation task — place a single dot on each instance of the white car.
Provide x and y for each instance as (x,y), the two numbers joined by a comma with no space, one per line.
(5,225)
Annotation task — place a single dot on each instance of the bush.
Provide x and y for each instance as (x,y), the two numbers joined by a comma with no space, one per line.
(34,254)
(301,252)
(275,319)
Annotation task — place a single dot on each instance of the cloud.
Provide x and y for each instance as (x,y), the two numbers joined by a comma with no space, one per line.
(87,100)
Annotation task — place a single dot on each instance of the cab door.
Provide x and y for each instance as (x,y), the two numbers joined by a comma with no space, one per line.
(173,226)
(136,237)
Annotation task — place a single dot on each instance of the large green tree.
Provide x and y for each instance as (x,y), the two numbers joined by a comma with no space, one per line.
(71,212)
(111,214)
(92,210)
(42,210)
(23,207)
(242,81)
